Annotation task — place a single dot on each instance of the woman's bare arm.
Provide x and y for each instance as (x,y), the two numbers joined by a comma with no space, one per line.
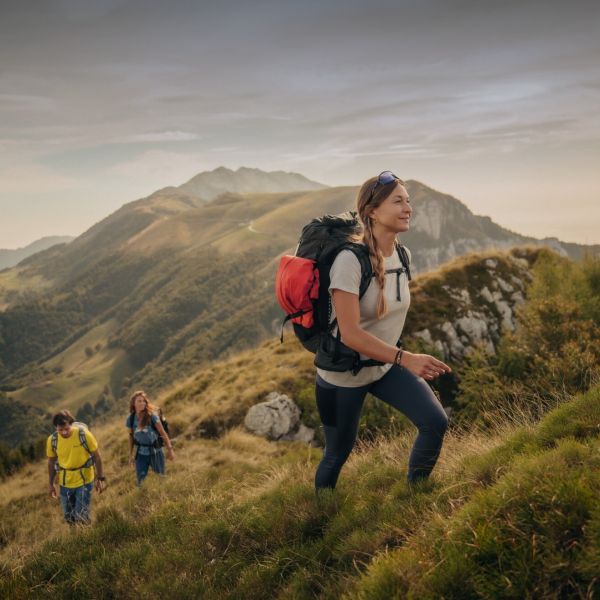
(347,310)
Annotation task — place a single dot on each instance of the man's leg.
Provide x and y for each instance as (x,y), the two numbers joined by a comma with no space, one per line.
(67,501)
(83,499)
(412,396)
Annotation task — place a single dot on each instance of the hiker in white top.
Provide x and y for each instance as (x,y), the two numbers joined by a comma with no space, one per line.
(372,326)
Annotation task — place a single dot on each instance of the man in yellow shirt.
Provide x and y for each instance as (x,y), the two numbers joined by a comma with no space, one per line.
(73,453)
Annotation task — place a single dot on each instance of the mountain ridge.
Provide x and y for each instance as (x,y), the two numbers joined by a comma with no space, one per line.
(12,257)
(209,184)
(181,280)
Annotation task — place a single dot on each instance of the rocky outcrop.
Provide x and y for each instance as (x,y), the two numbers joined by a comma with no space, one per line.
(278,418)
(479,316)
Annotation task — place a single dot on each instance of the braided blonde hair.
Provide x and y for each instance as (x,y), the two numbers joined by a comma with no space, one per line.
(370,196)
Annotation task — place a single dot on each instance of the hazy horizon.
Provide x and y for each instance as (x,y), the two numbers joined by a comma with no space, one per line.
(106,101)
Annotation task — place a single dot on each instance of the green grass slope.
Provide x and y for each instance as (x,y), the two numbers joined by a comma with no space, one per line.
(169,283)
(512,509)
(187,312)
(147,248)
(16,284)
(515,514)
(87,378)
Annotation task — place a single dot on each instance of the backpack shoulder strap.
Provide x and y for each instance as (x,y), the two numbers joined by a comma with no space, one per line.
(130,424)
(366,268)
(152,423)
(362,254)
(404,259)
(83,440)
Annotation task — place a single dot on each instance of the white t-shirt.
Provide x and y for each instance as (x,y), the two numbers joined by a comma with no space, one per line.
(345,275)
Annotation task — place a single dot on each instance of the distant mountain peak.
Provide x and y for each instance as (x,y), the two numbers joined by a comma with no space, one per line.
(246,180)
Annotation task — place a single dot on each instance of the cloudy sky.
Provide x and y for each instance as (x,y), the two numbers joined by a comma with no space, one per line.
(105,101)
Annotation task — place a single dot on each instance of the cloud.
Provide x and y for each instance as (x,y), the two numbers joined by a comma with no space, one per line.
(164,136)
(77,11)
(25,102)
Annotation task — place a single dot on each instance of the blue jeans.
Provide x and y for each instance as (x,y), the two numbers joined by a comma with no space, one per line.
(156,460)
(76,503)
(340,408)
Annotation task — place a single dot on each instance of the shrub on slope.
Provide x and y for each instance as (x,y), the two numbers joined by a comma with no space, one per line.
(552,355)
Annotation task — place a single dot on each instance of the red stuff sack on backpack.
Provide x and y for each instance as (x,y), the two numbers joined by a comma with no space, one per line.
(297,288)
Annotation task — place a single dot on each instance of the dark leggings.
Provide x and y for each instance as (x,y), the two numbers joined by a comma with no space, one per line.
(340,408)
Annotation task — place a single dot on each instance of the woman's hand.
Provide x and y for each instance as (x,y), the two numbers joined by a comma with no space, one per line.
(423,365)
(52,491)
(131,459)
(170,454)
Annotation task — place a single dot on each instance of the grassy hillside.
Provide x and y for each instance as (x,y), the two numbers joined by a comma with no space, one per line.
(512,509)
(509,514)
(123,261)
(555,356)
(168,283)
(184,313)
(15,284)
(10,258)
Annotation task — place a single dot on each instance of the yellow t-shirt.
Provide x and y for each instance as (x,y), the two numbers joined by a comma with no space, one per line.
(72,455)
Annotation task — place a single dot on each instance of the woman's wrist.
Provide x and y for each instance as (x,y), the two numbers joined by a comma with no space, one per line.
(402,361)
(398,357)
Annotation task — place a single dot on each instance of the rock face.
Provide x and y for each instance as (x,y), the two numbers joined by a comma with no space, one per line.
(477,317)
(278,418)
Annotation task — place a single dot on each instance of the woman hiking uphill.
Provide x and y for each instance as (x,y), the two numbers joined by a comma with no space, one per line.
(145,428)
(372,327)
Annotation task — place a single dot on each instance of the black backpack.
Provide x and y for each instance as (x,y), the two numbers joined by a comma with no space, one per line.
(320,242)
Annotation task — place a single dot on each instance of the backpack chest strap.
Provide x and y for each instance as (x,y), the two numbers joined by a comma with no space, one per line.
(398,272)
(88,464)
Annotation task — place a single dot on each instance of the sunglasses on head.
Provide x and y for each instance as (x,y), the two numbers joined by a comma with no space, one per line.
(384,178)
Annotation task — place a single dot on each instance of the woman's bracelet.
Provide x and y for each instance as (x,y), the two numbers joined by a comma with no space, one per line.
(398,357)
